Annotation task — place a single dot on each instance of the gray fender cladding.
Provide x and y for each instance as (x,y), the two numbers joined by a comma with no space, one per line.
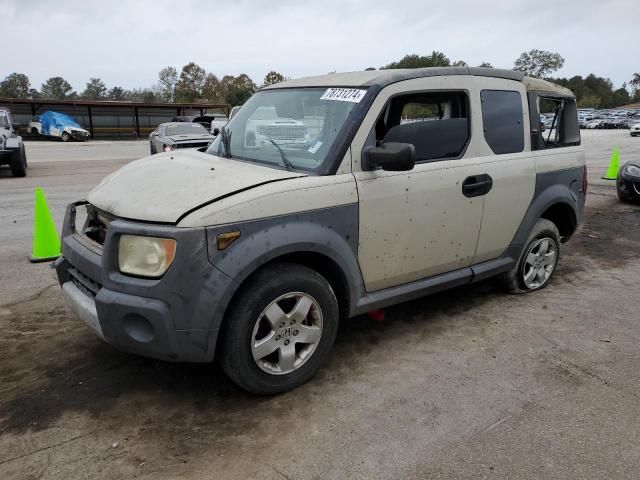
(331,232)
(557,187)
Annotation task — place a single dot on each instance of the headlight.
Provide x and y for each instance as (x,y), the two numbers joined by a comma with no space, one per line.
(633,170)
(145,256)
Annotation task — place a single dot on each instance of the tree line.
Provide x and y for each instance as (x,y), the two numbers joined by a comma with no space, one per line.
(194,84)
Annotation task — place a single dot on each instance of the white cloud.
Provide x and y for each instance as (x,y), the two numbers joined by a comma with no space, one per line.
(127,43)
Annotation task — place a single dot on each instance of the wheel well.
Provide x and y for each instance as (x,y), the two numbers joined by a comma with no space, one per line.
(563,216)
(322,264)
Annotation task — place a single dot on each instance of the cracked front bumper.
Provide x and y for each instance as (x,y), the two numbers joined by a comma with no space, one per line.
(175,318)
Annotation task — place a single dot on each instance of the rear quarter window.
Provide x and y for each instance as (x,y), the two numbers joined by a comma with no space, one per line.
(502,120)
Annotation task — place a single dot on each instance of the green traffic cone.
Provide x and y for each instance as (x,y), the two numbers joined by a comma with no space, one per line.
(46,243)
(614,166)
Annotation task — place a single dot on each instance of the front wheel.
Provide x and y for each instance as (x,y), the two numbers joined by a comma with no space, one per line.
(18,163)
(65,137)
(280,330)
(538,261)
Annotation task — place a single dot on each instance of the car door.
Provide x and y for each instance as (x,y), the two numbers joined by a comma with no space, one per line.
(505,145)
(426,221)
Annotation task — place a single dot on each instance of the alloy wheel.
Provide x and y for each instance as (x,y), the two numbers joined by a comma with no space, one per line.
(287,333)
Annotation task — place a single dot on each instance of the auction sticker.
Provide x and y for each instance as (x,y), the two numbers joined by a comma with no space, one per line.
(344,94)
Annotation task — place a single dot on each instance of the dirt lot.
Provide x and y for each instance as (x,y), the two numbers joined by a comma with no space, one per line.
(471,383)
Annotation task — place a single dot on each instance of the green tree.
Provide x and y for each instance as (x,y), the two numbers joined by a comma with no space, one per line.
(168,78)
(56,88)
(634,83)
(190,83)
(436,59)
(95,89)
(117,93)
(212,89)
(16,85)
(273,77)
(485,65)
(237,90)
(146,95)
(538,63)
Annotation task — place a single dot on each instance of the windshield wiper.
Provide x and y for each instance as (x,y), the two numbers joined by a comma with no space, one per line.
(226,141)
(285,160)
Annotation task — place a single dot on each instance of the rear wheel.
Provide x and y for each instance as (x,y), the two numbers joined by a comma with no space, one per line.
(65,137)
(280,330)
(18,163)
(538,261)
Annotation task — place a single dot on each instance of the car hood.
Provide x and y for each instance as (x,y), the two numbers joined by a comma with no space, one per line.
(163,187)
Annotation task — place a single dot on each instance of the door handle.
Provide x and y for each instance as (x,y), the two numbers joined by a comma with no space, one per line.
(477,185)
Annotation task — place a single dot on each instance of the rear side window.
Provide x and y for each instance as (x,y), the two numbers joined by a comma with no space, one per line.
(556,124)
(502,119)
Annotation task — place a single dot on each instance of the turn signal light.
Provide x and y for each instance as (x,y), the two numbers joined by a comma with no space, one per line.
(223,240)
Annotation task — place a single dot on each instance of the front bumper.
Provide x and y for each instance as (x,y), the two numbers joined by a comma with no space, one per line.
(629,184)
(80,135)
(176,317)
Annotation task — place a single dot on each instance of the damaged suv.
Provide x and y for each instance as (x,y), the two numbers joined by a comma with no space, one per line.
(12,151)
(405,183)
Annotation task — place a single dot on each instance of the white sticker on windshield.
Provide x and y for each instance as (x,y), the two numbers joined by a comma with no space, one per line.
(344,94)
(314,148)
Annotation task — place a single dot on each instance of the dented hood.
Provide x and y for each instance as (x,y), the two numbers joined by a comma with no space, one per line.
(164,187)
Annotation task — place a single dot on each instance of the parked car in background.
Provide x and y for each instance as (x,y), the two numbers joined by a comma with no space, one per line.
(634,130)
(253,252)
(174,135)
(234,110)
(12,151)
(597,123)
(58,125)
(34,127)
(217,123)
(628,182)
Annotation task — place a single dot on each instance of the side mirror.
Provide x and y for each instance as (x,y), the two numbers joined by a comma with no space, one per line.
(394,157)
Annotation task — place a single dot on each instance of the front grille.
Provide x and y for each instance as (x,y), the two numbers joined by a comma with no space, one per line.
(283,132)
(96,225)
(192,145)
(84,283)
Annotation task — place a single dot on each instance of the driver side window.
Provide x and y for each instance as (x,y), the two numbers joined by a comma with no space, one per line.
(435,123)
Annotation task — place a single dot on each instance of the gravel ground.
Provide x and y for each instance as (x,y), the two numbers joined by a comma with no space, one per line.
(470,383)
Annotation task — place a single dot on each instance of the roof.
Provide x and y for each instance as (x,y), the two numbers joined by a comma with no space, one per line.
(382,78)
(539,85)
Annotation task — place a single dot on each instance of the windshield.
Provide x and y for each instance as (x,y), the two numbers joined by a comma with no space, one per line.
(185,129)
(4,121)
(292,128)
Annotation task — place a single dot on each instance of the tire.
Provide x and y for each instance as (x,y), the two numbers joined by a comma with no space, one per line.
(34,131)
(18,163)
(519,279)
(65,137)
(153,150)
(281,287)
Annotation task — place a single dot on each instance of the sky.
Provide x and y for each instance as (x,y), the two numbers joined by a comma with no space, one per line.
(126,43)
